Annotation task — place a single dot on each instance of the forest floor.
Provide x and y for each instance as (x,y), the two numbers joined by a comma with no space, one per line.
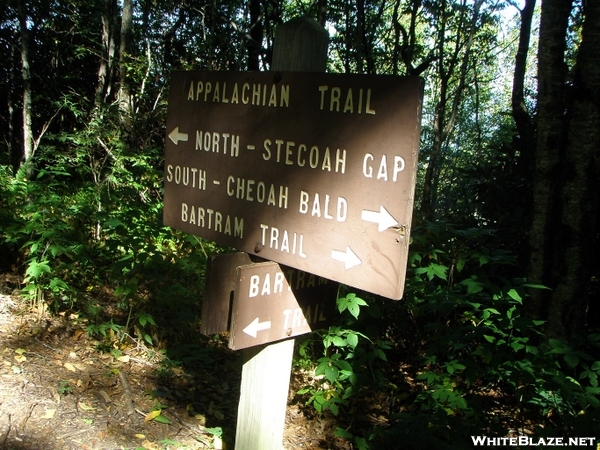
(59,391)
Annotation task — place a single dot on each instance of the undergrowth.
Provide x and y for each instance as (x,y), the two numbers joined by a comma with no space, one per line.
(456,357)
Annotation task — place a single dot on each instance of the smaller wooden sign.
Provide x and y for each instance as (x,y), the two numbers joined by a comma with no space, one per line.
(272,303)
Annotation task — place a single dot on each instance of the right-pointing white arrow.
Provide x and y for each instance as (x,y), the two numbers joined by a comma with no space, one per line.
(256,326)
(383,218)
(176,136)
(348,257)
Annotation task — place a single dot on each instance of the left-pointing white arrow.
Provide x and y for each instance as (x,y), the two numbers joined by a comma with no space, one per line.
(348,257)
(383,218)
(176,136)
(256,326)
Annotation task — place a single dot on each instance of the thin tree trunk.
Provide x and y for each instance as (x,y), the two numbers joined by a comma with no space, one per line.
(521,115)
(105,68)
(27,94)
(256,35)
(443,123)
(125,100)
(361,47)
(12,158)
(322,12)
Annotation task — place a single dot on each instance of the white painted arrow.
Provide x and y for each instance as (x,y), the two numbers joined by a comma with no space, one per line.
(256,326)
(176,136)
(382,218)
(348,257)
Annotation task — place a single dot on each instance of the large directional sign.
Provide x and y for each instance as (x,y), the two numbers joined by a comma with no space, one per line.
(314,171)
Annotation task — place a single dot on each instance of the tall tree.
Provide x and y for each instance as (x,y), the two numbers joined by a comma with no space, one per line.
(27,92)
(564,232)
(256,35)
(521,114)
(454,63)
(125,44)
(107,51)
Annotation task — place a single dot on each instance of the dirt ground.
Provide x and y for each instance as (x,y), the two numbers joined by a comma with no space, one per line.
(58,391)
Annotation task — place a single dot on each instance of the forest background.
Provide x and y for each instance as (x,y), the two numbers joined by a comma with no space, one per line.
(502,293)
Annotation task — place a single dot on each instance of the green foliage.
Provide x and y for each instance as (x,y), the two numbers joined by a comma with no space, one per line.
(89,224)
(461,334)
(349,358)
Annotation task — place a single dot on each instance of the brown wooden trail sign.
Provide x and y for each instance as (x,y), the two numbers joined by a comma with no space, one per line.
(273,303)
(262,302)
(315,171)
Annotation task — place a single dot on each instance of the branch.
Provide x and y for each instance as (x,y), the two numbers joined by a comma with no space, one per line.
(36,142)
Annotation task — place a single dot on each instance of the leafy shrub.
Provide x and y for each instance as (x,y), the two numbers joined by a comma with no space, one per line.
(467,348)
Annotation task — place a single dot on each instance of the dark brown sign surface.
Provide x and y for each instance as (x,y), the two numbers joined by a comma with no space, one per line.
(272,303)
(315,171)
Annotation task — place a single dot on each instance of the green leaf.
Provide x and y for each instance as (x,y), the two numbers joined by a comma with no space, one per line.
(334,408)
(378,353)
(572,360)
(594,337)
(343,365)
(340,432)
(555,343)
(473,286)
(515,295)
(339,342)
(354,310)
(352,340)
(536,286)
(215,431)
(162,419)
(332,373)
(113,223)
(321,368)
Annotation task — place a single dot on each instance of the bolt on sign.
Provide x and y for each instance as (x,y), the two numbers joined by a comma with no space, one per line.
(315,171)
(272,303)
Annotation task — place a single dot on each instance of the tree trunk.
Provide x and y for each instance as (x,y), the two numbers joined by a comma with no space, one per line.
(545,233)
(565,221)
(256,35)
(13,158)
(105,68)
(521,115)
(322,12)
(579,199)
(449,102)
(27,95)
(125,100)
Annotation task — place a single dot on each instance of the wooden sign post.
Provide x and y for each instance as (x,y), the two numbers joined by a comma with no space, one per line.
(300,44)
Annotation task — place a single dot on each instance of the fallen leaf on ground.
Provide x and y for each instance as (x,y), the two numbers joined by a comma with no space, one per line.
(150,445)
(49,414)
(77,334)
(86,407)
(70,367)
(20,355)
(152,415)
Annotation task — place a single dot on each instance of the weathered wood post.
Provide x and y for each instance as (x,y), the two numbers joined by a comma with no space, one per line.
(300,45)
